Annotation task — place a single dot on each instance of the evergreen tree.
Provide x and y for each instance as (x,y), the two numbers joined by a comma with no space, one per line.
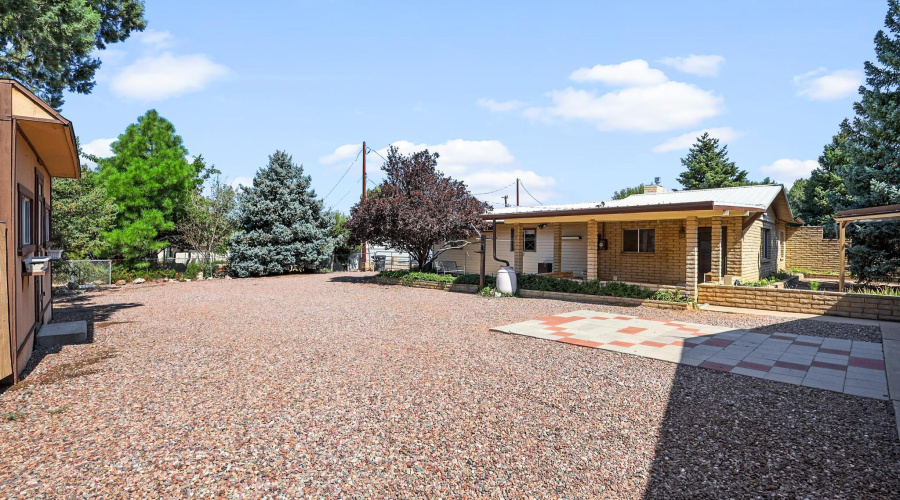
(149,180)
(281,225)
(814,199)
(871,175)
(707,166)
(50,46)
(626,192)
(81,214)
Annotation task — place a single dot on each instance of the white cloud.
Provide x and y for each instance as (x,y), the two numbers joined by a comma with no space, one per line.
(685,141)
(156,39)
(627,74)
(498,107)
(237,182)
(786,170)
(822,85)
(707,65)
(347,151)
(483,165)
(164,76)
(668,106)
(101,148)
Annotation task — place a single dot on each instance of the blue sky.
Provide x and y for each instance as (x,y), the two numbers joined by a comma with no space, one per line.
(577,99)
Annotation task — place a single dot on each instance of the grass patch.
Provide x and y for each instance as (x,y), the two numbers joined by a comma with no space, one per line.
(806,270)
(57,411)
(884,290)
(14,416)
(780,275)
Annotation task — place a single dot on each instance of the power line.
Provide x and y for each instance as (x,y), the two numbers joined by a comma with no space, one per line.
(342,177)
(376,152)
(342,197)
(529,194)
(496,190)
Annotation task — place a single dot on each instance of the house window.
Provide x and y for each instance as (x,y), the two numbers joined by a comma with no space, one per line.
(766,242)
(512,240)
(530,240)
(25,214)
(639,240)
(46,226)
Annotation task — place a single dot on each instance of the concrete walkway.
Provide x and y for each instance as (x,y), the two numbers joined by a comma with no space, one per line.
(850,367)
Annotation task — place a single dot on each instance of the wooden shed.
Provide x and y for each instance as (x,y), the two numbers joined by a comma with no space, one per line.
(36,144)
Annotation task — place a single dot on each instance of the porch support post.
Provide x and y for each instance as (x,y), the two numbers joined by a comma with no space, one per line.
(691,255)
(842,242)
(519,250)
(592,269)
(557,247)
(717,270)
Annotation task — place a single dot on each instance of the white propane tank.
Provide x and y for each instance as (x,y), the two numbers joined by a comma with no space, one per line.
(506,280)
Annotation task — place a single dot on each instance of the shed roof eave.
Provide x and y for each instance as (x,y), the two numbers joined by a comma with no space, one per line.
(644,209)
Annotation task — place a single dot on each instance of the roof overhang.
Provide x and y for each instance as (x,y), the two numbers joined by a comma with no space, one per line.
(648,212)
(49,133)
(871,214)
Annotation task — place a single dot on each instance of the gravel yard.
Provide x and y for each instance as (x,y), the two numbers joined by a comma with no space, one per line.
(329,385)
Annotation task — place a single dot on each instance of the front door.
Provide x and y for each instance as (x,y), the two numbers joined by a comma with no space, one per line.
(704,244)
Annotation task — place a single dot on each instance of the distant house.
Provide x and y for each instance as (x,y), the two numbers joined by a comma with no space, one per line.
(655,238)
(36,144)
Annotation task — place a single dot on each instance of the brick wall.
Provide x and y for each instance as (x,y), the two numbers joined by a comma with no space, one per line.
(851,305)
(664,266)
(807,249)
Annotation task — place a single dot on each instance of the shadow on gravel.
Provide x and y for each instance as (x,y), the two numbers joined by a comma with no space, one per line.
(725,435)
(65,309)
(352,279)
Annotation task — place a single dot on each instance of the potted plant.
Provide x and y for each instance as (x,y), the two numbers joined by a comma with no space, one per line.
(36,265)
(54,254)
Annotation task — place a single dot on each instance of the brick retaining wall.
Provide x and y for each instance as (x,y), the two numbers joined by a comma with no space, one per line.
(807,249)
(852,305)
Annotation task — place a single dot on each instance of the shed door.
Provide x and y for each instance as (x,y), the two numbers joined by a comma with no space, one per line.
(704,244)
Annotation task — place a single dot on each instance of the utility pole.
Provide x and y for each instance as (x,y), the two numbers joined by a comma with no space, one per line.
(505,197)
(363,258)
(517,191)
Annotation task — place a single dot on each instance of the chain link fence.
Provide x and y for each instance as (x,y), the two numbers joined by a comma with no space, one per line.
(82,271)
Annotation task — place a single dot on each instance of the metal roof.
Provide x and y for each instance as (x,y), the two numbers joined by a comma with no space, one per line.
(757,198)
(883,212)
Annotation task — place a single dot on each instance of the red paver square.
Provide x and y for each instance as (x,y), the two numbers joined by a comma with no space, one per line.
(557,328)
(653,344)
(678,343)
(600,317)
(754,366)
(834,351)
(722,367)
(558,320)
(563,334)
(621,344)
(807,344)
(631,330)
(686,329)
(585,343)
(719,342)
(792,366)
(830,366)
(674,324)
(623,318)
(872,364)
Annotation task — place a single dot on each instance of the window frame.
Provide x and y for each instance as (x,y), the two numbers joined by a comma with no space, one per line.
(525,234)
(25,194)
(766,243)
(640,240)
(512,239)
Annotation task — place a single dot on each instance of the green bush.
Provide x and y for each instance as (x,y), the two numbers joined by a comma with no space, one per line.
(885,290)
(814,285)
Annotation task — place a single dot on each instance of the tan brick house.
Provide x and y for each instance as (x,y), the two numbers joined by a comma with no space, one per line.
(656,238)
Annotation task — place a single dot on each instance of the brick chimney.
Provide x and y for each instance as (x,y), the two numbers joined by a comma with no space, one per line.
(654,189)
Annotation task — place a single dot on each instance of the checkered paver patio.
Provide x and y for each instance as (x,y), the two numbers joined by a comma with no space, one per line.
(846,366)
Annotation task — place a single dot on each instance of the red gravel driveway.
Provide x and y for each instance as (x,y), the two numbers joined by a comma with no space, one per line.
(329,386)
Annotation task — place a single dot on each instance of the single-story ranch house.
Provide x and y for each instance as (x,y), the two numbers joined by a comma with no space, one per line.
(655,238)
(36,144)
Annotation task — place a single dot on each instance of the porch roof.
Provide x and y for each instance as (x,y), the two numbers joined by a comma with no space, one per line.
(674,204)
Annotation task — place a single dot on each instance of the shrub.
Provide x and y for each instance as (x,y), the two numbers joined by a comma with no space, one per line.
(885,290)
(814,285)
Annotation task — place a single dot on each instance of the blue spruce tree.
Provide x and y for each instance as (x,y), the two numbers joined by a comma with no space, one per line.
(281,225)
(872,172)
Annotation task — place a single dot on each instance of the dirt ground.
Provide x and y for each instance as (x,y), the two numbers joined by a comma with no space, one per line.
(332,386)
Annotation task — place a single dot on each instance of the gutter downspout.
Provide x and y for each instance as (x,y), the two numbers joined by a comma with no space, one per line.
(494,242)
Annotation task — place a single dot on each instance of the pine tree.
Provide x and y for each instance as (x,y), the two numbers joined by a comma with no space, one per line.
(628,191)
(872,173)
(708,166)
(813,200)
(149,180)
(281,225)
(51,47)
